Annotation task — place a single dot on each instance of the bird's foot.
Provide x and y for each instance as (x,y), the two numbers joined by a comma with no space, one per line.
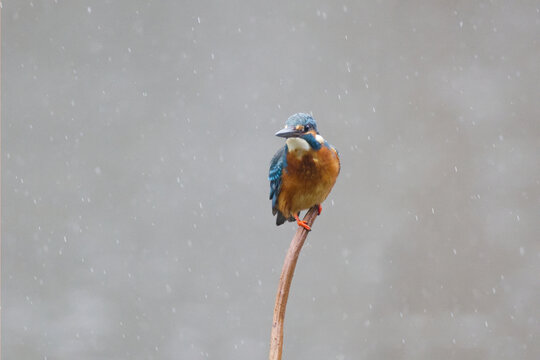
(302,223)
(320,209)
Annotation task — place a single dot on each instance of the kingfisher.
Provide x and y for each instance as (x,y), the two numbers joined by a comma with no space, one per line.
(303,172)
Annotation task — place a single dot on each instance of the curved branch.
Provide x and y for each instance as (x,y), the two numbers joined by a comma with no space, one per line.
(276,340)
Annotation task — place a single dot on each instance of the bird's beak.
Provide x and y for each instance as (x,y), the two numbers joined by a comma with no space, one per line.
(288,132)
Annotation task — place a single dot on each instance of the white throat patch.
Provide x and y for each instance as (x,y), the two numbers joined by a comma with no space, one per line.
(299,144)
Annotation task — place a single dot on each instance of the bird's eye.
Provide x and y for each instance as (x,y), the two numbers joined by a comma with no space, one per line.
(307,127)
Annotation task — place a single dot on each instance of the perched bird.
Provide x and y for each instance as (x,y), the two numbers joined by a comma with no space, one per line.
(303,172)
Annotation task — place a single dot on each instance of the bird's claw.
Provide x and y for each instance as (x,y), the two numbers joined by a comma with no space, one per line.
(303,224)
(320,209)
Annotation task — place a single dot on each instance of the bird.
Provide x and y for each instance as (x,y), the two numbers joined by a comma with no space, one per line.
(303,172)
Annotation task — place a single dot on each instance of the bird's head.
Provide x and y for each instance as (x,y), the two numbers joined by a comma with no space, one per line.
(298,125)
(301,127)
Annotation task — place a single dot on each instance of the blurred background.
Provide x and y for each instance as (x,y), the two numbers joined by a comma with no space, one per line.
(136,140)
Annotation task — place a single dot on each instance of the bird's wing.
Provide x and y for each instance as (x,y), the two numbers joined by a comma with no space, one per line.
(278,163)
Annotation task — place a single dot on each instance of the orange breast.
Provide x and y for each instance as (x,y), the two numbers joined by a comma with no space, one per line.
(307,179)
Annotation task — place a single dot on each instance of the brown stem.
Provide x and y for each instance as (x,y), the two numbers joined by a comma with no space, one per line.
(276,340)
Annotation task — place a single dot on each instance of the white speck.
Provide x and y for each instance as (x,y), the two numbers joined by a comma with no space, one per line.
(454,251)
(521,251)
(129,50)
(259,282)
(144,93)
(461,24)
(518,218)
(432,210)
(493,290)
(486,324)
(403,341)
(416,217)
(455,168)
(454,341)
(65,238)
(401,314)
(97,170)
(200,205)
(374,109)
(168,288)
(89,9)
(198,19)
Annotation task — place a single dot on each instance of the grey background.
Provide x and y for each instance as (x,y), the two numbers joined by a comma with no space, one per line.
(136,137)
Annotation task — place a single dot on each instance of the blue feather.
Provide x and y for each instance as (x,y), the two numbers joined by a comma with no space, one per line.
(315,145)
(278,163)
